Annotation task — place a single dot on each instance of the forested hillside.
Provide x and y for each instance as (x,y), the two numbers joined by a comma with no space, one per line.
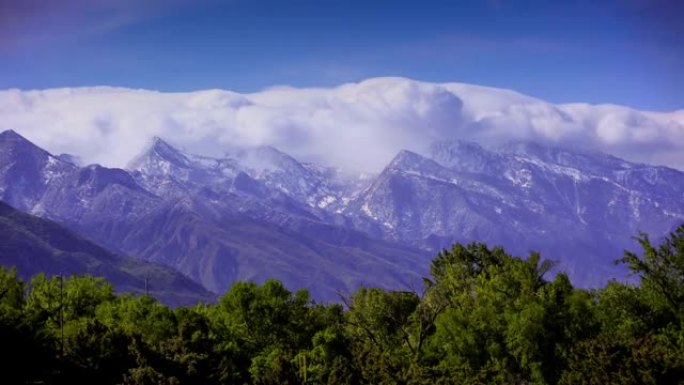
(483,317)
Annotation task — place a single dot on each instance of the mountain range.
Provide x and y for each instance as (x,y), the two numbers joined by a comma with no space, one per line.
(209,220)
(256,212)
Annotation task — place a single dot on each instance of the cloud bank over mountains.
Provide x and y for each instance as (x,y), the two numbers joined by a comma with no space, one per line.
(358,126)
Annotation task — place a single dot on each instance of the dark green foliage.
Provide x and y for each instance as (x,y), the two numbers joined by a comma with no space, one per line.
(484,317)
(27,352)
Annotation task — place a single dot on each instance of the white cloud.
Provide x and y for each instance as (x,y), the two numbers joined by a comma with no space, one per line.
(360,125)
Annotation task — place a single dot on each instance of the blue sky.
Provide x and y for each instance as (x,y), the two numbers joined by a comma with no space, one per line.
(627,52)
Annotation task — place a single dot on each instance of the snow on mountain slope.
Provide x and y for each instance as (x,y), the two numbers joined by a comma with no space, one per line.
(212,225)
(26,171)
(207,216)
(391,159)
(357,126)
(260,172)
(580,208)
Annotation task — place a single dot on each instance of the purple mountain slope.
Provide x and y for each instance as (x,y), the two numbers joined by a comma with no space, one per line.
(579,208)
(257,213)
(211,220)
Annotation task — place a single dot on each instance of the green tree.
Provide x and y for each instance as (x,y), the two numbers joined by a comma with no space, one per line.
(641,338)
(503,322)
(661,270)
(27,353)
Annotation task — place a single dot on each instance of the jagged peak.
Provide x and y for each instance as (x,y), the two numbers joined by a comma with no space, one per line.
(267,157)
(13,140)
(159,149)
(405,154)
(11,135)
(160,145)
(405,159)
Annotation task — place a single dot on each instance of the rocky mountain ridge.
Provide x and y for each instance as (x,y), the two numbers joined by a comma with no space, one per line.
(257,212)
(198,216)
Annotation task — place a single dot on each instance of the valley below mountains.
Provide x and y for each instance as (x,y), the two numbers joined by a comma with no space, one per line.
(258,213)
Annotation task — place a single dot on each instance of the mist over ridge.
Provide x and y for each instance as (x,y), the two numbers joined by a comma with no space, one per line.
(355,126)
